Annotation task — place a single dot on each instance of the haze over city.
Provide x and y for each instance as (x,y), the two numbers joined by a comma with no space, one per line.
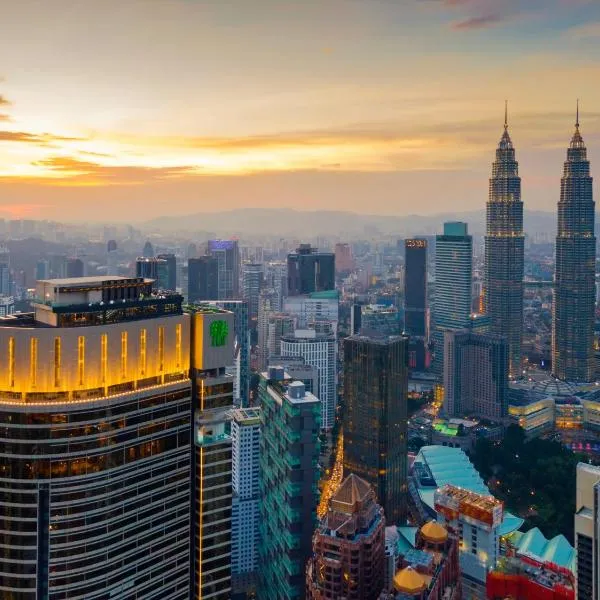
(133,110)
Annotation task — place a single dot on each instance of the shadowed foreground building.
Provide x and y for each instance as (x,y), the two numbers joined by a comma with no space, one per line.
(375,423)
(95,408)
(348,546)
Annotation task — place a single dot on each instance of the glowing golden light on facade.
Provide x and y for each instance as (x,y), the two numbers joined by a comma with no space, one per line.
(178,345)
(123,355)
(11,362)
(56,362)
(103,358)
(81,358)
(161,349)
(142,352)
(33,354)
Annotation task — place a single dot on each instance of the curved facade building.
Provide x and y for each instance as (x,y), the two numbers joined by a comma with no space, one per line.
(95,410)
(504,251)
(574,278)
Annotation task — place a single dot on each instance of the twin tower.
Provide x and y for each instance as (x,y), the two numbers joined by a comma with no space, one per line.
(574,278)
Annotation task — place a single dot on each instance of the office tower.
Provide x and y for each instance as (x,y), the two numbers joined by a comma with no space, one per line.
(279,325)
(42,270)
(170,276)
(310,271)
(475,520)
(227,254)
(476,374)
(111,258)
(344,262)
(574,278)
(5,283)
(289,453)
(380,319)
(587,531)
(348,546)
(267,306)
(453,284)
(87,517)
(318,350)
(252,279)
(375,421)
(241,347)
(318,306)
(504,251)
(75,268)
(355,318)
(203,279)
(416,317)
(212,399)
(155,269)
(148,251)
(7,306)
(276,279)
(245,516)
(298,369)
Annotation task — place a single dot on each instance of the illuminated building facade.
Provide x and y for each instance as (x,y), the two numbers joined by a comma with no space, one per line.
(95,406)
(227,253)
(375,420)
(453,285)
(212,400)
(504,251)
(348,546)
(153,268)
(310,271)
(475,375)
(203,279)
(380,319)
(574,277)
(416,314)
(289,453)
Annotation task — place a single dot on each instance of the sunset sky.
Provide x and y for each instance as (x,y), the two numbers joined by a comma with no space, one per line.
(126,110)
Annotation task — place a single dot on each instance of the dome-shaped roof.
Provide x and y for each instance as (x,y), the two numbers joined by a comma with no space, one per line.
(409,581)
(434,532)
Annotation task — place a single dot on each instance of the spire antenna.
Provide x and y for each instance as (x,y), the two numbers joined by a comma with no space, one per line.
(577,119)
(506,114)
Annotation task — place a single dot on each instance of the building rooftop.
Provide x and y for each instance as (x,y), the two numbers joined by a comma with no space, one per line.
(246,416)
(534,544)
(352,490)
(436,466)
(83,281)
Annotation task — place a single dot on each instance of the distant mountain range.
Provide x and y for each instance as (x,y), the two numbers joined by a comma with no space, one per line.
(287,222)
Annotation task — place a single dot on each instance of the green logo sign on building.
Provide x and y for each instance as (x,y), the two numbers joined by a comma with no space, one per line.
(218,333)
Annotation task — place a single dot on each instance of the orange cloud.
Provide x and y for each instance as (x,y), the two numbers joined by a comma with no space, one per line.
(478,22)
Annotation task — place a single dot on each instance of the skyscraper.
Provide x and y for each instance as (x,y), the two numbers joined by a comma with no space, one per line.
(348,546)
(76,268)
(5,283)
(310,271)
(96,496)
(475,374)
(155,269)
(212,400)
(344,262)
(375,422)
(453,285)
(203,279)
(252,278)
(574,278)
(111,258)
(415,288)
(318,350)
(289,453)
(227,254)
(171,270)
(504,251)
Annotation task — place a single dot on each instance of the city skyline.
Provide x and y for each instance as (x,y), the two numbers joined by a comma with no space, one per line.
(175,107)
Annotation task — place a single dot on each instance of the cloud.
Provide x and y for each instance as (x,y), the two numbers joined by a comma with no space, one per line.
(586,31)
(4,101)
(34,138)
(477,22)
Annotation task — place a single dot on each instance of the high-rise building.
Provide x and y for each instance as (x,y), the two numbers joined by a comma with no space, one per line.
(298,369)
(276,280)
(574,278)
(310,271)
(318,306)
(375,420)
(148,250)
(156,269)
(348,546)
(227,253)
(279,325)
(245,516)
(453,285)
(267,306)
(344,262)
(252,279)
(171,270)
(289,454)
(89,518)
(42,269)
(203,279)
(416,313)
(5,282)
(212,400)
(76,268)
(587,532)
(111,259)
(475,375)
(504,251)
(318,350)
(380,319)
(241,348)
(475,519)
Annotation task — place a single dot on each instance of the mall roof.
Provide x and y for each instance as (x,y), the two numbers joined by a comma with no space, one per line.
(533,543)
(452,466)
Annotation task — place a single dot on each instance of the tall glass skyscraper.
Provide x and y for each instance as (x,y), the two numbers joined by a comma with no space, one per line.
(574,278)
(504,247)
(310,271)
(227,253)
(453,285)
